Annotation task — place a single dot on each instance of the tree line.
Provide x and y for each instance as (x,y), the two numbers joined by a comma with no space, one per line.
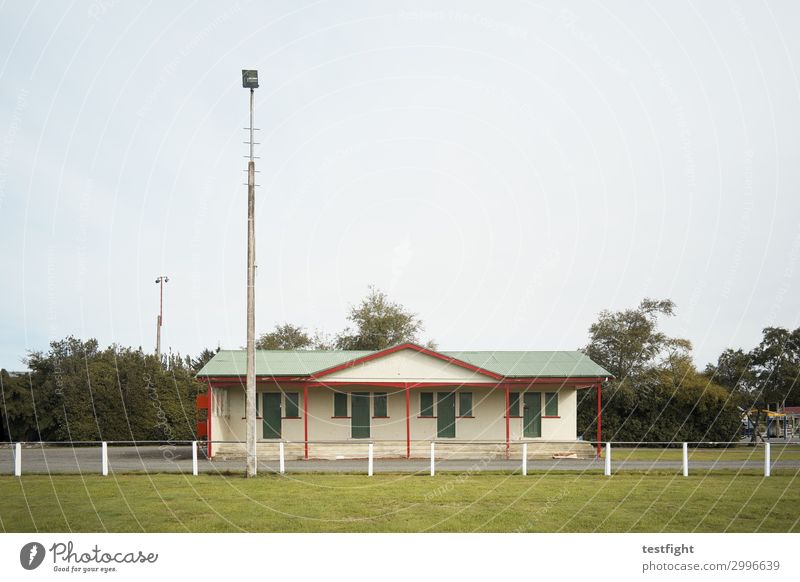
(77,391)
(658,394)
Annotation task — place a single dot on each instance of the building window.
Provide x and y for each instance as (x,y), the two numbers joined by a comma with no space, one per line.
(513,403)
(426,404)
(379,405)
(292,405)
(551,403)
(465,403)
(340,404)
(220,396)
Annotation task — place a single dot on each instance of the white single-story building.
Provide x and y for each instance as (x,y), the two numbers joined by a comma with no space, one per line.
(327,404)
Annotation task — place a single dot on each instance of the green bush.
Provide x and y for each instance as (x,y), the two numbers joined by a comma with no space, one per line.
(75,391)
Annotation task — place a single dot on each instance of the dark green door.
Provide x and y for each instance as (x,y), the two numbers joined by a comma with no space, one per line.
(271,413)
(359,413)
(532,414)
(446,415)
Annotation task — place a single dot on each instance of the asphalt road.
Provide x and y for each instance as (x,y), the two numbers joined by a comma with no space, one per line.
(172,459)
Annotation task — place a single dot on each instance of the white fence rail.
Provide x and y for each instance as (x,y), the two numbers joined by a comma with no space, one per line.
(111,458)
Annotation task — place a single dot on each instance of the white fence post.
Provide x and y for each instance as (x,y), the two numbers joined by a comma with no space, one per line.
(685,459)
(18,460)
(524,459)
(369,460)
(104,455)
(281,460)
(194,457)
(607,469)
(433,458)
(766,459)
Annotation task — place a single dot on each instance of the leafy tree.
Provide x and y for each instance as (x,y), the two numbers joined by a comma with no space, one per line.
(777,366)
(196,364)
(18,416)
(76,391)
(628,343)
(767,374)
(323,341)
(657,393)
(285,337)
(694,410)
(734,370)
(379,323)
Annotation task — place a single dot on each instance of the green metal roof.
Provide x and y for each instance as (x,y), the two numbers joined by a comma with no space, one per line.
(533,364)
(306,362)
(278,362)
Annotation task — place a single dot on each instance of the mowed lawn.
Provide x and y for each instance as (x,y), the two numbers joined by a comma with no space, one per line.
(402,503)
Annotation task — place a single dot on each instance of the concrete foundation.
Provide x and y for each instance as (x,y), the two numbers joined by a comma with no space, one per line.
(267,450)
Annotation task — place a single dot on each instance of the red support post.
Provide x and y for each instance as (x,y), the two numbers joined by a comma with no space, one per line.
(599,420)
(305,420)
(208,418)
(508,421)
(408,422)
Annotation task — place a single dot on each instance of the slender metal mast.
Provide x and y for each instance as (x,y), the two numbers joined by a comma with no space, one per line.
(160,319)
(250,80)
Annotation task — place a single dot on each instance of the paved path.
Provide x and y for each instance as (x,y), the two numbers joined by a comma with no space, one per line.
(171,459)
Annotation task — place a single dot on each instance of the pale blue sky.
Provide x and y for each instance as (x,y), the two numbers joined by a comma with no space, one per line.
(505,170)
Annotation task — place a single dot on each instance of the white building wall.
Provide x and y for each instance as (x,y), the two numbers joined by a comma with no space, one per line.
(222,423)
(488,423)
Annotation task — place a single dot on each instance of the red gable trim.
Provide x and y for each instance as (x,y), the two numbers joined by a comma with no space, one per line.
(579,382)
(406,346)
(513,383)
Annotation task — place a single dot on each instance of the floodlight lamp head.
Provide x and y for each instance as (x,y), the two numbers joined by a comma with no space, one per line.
(250,79)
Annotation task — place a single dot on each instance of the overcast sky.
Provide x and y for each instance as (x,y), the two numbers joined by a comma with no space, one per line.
(505,170)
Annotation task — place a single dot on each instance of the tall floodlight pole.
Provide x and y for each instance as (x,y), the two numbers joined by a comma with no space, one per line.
(160,319)
(250,81)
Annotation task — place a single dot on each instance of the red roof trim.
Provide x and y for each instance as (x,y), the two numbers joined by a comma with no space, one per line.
(406,346)
(580,381)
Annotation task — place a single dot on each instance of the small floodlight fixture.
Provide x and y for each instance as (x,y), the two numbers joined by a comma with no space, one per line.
(250,79)
(160,319)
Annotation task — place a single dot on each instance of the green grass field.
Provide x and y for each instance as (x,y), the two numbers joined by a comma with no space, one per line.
(402,503)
